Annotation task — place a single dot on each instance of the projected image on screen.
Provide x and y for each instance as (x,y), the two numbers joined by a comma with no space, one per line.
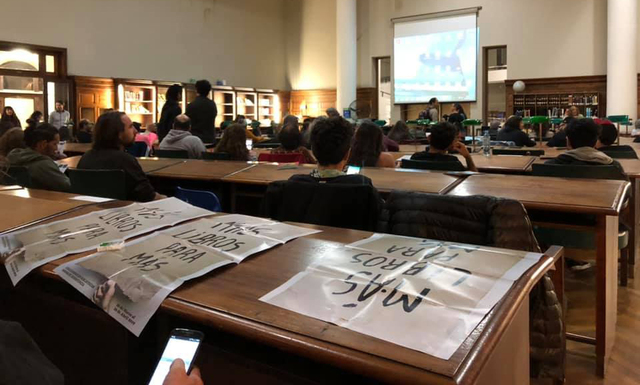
(435,58)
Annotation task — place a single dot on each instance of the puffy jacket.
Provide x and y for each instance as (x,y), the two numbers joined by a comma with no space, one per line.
(183,140)
(488,221)
(44,172)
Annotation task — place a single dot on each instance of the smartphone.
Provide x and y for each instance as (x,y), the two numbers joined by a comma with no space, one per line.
(249,144)
(184,344)
(351,170)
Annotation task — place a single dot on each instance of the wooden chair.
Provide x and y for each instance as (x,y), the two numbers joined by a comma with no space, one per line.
(98,183)
(17,175)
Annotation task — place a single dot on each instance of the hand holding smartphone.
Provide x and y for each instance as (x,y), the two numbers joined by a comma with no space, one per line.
(183,344)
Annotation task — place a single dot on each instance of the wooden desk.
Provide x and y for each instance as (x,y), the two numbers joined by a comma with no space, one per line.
(148,164)
(389,179)
(265,173)
(632,169)
(501,164)
(19,211)
(71,161)
(200,169)
(497,351)
(72,149)
(603,198)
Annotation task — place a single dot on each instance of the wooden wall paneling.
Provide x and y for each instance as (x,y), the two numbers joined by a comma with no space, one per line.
(285,103)
(317,101)
(93,96)
(561,85)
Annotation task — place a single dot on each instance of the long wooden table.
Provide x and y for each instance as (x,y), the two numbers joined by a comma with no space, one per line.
(73,149)
(602,198)
(19,209)
(497,351)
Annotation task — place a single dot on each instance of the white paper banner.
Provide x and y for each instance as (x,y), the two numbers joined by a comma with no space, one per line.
(36,246)
(418,293)
(130,284)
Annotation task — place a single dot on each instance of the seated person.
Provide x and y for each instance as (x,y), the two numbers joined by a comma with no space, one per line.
(234,143)
(512,132)
(150,136)
(14,138)
(242,121)
(84,131)
(41,147)
(290,139)
(608,137)
(366,150)
(180,138)
(559,139)
(113,132)
(582,137)
(400,132)
(331,143)
(444,138)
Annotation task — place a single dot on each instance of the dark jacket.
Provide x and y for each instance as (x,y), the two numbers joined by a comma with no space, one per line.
(516,135)
(558,140)
(203,112)
(84,137)
(44,172)
(434,157)
(170,110)
(137,184)
(488,221)
(588,156)
(347,201)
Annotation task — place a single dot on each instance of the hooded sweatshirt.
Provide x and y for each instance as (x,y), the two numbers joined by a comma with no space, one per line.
(587,156)
(44,172)
(183,140)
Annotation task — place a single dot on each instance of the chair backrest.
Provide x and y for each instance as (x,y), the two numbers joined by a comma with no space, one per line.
(17,175)
(431,165)
(99,183)
(621,154)
(138,149)
(199,198)
(518,151)
(576,171)
(216,156)
(281,158)
(175,154)
(267,144)
(478,220)
(352,206)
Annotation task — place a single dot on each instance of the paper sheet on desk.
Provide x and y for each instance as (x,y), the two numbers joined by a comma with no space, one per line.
(131,283)
(88,198)
(422,294)
(42,244)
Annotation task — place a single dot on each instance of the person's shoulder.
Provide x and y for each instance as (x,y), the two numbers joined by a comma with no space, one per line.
(422,155)
(386,160)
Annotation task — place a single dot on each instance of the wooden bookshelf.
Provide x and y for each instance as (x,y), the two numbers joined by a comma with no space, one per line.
(554,105)
(138,100)
(268,106)
(225,102)
(247,104)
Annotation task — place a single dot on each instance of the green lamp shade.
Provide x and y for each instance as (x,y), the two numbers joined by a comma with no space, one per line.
(380,123)
(423,122)
(471,122)
(411,122)
(538,119)
(526,120)
(618,118)
(556,121)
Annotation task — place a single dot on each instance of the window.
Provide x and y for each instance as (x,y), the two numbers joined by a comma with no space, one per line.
(19,59)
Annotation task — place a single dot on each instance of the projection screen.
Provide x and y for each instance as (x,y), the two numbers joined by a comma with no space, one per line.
(435,57)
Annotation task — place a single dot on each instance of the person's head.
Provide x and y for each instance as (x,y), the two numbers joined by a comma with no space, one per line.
(85,125)
(443,136)
(42,139)
(495,125)
(59,105)
(152,127)
(203,87)
(433,102)
(574,111)
(182,123)
(14,138)
(290,137)
(114,130)
(234,142)
(8,113)
(514,122)
(399,131)
(608,134)
(241,119)
(36,116)
(290,120)
(457,108)
(367,145)
(331,141)
(174,92)
(332,112)
(582,133)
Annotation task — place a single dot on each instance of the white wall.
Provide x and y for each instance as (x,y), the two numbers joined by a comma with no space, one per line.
(544,38)
(310,44)
(241,41)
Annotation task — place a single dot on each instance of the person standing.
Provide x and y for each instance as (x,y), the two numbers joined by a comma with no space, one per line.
(202,112)
(170,110)
(9,120)
(431,112)
(59,117)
